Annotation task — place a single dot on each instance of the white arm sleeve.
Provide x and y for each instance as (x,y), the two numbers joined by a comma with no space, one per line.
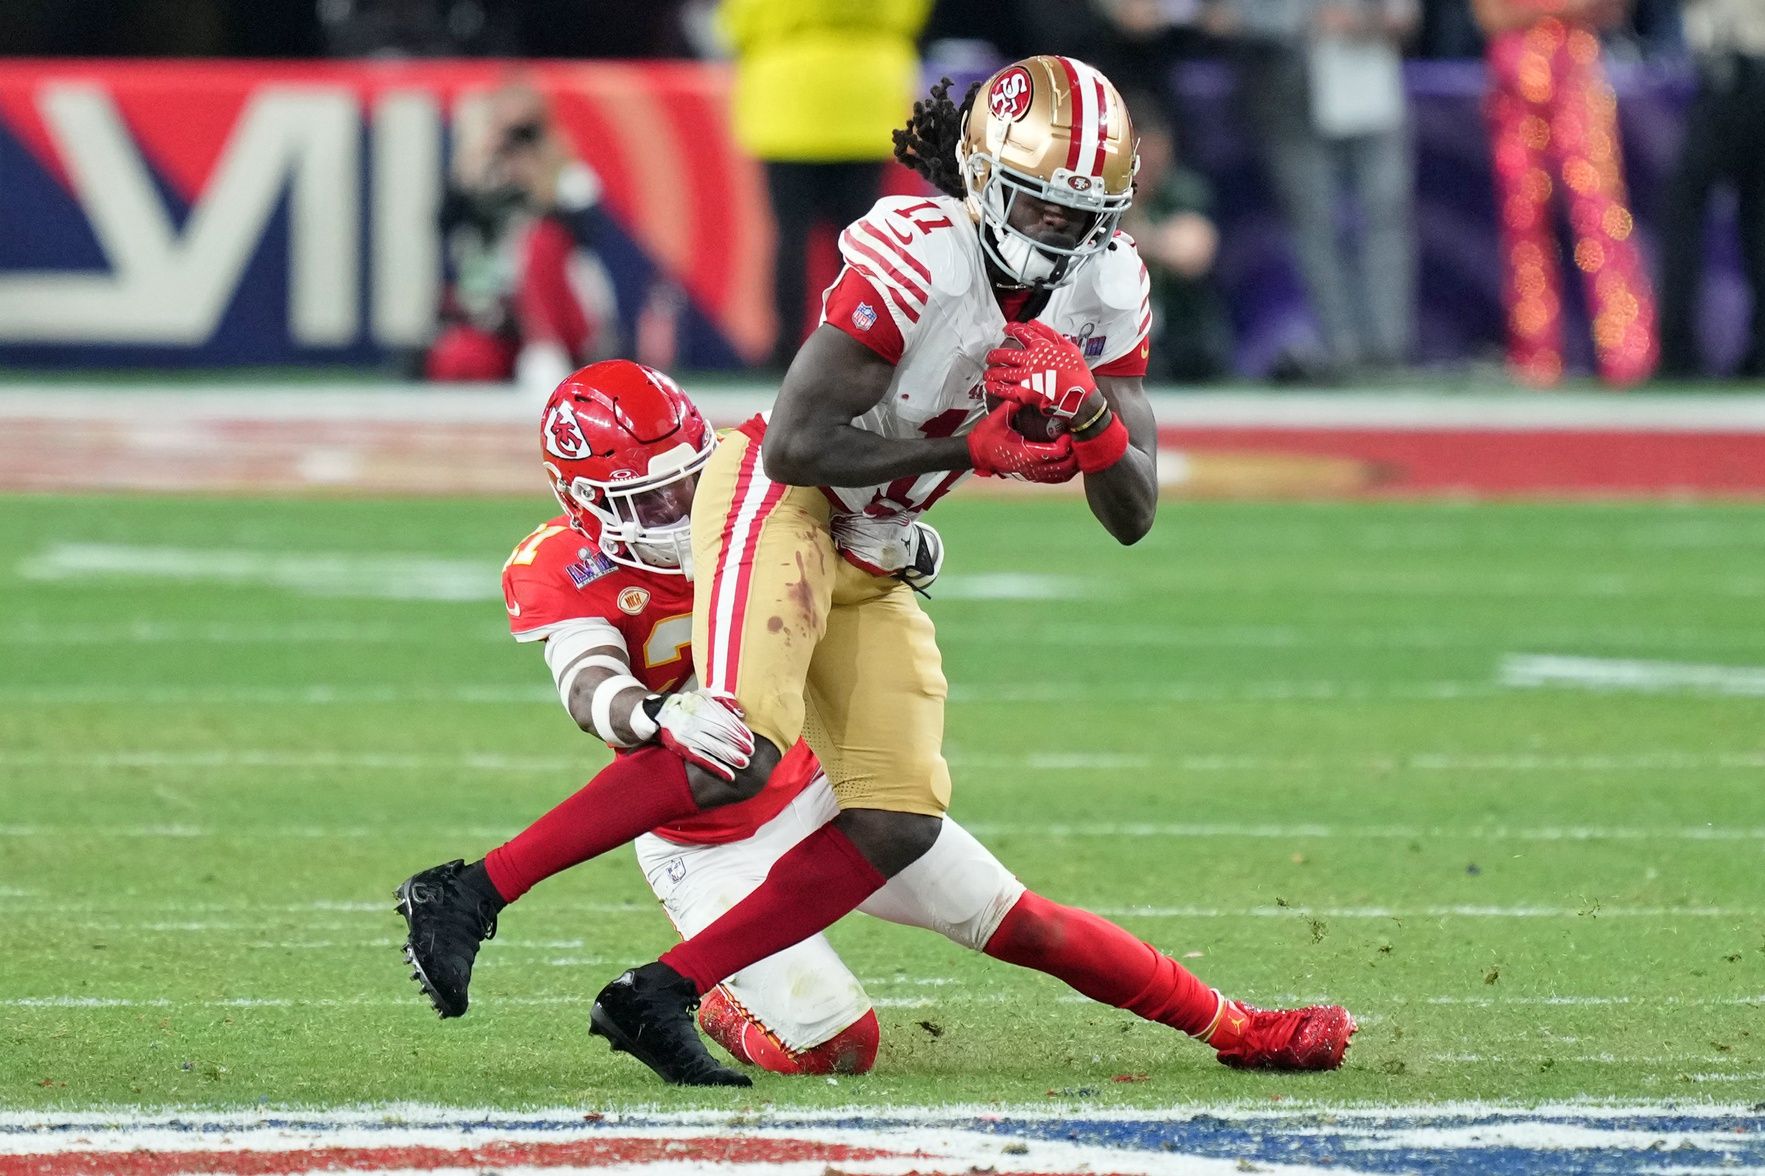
(596,648)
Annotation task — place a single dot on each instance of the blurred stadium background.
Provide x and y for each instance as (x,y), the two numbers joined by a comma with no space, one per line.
(251,251)
(214,198)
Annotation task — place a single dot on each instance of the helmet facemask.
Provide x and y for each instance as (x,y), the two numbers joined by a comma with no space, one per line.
(994,190)
(646,521)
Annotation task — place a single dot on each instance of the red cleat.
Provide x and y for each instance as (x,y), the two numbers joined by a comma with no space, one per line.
(727,1023)
(850,1051)
(1312,1038)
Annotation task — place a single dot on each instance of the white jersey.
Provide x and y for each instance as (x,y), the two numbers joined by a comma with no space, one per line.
(923,258)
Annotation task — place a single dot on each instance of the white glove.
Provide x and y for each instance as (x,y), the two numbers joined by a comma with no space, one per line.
(926,559)
(702,728)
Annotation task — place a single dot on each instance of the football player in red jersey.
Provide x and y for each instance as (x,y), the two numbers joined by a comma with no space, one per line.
(606,588)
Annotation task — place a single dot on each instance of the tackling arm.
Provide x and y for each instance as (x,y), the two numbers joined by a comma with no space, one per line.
(592,668)
(810,438)
(1124,497)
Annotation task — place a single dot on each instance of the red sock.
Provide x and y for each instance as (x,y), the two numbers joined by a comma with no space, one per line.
(821,878)
(850,1051)
(631,795)
(1105,962)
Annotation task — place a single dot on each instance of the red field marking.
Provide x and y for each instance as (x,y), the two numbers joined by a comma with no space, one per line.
(585,1153)
(1496,463)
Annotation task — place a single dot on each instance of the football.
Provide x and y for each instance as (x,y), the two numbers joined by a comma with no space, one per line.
(1032,423)
(1029,422)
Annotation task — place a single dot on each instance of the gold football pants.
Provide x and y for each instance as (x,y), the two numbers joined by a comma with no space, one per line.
(810,645)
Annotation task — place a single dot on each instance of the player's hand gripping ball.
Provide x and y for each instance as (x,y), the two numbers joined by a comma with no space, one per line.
(1042,370)
(995,449)
(1029,421)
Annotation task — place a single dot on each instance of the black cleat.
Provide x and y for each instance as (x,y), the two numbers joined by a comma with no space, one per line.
(448,917)
(647,1013)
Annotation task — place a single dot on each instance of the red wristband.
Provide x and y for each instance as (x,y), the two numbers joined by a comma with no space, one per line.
(1103,450)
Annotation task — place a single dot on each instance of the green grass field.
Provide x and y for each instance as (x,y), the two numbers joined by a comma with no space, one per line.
(1274,735)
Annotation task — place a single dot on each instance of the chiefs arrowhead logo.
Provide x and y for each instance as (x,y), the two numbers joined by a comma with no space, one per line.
(563,436)
(1009,97)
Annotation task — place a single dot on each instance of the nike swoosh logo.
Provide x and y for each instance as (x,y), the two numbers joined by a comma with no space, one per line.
(903,238)
(514,609)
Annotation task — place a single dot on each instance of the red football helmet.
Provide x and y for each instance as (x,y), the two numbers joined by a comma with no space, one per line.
(624,445)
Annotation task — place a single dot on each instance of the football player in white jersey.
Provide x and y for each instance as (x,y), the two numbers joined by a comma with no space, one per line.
(1013,286)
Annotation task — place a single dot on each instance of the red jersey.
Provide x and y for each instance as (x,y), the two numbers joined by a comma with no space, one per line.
(558,577)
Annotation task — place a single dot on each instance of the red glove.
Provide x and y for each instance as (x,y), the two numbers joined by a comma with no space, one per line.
(996,449)
(1047,373)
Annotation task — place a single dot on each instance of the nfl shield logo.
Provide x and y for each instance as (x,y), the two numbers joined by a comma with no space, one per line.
(864,317)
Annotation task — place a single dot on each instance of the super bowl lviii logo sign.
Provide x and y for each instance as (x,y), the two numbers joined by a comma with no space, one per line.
(243,213)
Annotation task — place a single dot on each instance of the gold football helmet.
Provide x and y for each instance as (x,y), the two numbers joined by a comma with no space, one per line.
(1055,129)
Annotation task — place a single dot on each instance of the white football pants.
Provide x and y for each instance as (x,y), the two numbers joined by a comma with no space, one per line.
(805,994)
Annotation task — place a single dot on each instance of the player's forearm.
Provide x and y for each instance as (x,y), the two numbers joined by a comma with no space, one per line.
(842,455)
(609,705)
(1124,494)
(810,438)
(1124,497)
(592,670)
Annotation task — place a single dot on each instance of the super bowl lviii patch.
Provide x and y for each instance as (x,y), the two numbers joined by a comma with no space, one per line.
(588,569)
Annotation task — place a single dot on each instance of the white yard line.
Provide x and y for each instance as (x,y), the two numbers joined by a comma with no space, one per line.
(312,694)
(1531,670)
(410,1124)
(1277,690)
(1596,1001)
(1030,586)
(158,631)
(150,631)
(1478,586)
(282,759)
(1592,912)
(1531,1060)
(1325,636)
(1275,832)
(376,575)
(984,829)
(356,694)
(392,1001)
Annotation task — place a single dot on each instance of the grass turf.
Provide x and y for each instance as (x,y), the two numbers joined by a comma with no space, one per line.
(1271,739)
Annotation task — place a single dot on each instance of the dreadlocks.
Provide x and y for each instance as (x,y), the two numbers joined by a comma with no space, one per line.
(927,144)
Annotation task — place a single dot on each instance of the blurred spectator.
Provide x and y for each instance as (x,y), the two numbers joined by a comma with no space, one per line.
(1724,141)
(528,299)
(604,28)
(1171,222)
(820,86)
(159,28)
(1553,119)
(417,28)
(1448,30)
(1323,85)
